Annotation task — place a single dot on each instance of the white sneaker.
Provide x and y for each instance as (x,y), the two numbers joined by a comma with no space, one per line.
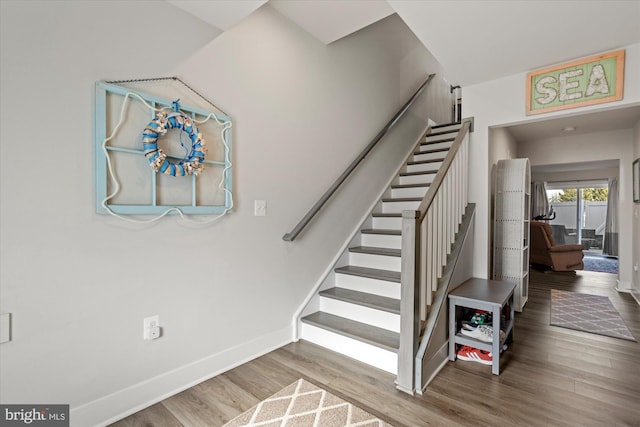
(482,333)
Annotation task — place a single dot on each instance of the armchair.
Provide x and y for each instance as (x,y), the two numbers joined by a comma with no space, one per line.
(545,252)
(562,236)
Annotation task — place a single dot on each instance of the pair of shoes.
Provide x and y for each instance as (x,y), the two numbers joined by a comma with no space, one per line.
(475,355)
(481,318)
(482,333)
(470,326)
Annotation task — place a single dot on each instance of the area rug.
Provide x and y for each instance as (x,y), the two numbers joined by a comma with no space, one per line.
(588,313)
(600,264)
(302,404)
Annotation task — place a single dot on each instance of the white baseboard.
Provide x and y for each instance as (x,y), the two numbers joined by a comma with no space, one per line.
(113,407)
(623,286)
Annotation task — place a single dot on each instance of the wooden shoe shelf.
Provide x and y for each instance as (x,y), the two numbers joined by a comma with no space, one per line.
(488,295)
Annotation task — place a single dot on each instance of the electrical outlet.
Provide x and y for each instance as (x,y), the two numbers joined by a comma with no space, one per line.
(260,208)
(151,327)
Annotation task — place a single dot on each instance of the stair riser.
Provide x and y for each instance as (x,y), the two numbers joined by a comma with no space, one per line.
(387,223)
(409,192)
(370,316)
(429,156)
(447,129)
(426,178)
(367,353)
(381,262)
(371,286)
(435,146)
(381,241)
(437,138)
(424,167)
(398,207)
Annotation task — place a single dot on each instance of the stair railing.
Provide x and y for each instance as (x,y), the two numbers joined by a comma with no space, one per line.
(291,236)
(427,236)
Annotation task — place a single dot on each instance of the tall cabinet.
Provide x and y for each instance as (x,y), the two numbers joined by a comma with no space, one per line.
(511,226)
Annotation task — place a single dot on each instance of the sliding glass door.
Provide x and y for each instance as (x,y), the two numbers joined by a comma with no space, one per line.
(580,213)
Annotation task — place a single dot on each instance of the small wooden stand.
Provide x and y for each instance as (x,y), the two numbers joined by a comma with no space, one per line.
(488,295)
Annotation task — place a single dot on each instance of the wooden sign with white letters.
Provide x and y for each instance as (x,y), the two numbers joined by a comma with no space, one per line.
(583,82)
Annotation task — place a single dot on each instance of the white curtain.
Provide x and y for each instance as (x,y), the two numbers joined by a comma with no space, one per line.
(539,201)
(610,246)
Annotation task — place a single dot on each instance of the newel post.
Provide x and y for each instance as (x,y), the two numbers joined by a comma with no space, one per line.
(409,301)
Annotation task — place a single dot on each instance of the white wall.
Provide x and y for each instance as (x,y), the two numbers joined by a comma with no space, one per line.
(78,284)
(636,221)
(569,176)
(501,102)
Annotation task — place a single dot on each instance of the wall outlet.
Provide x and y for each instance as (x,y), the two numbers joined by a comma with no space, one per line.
(151,327)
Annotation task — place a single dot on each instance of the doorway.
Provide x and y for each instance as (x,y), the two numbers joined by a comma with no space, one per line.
(580,218)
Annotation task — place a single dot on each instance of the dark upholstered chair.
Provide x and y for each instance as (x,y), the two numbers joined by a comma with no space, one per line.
(545,252)
(589,238)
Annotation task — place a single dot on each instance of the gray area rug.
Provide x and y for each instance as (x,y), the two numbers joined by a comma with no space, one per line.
(302,404)
(600,264)
(589,313)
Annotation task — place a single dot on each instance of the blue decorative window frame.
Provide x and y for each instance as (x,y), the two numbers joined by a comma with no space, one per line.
(154,207)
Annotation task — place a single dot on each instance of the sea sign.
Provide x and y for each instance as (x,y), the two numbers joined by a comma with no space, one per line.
(584,82)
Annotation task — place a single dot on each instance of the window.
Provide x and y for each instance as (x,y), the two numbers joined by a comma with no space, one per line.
(127,185)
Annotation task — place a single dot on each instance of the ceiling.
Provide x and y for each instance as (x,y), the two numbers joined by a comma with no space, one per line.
(498,38)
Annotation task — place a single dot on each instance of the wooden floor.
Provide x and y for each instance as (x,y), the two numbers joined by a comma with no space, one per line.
(550,376)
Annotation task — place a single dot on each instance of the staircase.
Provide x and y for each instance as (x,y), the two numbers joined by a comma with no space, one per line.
(357,313)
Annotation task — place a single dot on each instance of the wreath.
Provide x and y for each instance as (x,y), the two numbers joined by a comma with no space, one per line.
(157,157)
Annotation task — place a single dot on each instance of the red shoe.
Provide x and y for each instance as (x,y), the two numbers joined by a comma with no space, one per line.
(475,355)
(464,351)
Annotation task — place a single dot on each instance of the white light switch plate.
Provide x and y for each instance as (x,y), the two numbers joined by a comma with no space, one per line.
(260,208)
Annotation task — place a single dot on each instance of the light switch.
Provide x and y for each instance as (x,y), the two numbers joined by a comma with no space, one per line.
(260,208)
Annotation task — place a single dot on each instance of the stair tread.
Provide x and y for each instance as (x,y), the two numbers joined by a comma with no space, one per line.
(422,162)
(402,199)
(418,173)
(371,273)
(390,305)
(446,124)
(360,331)
(435,150)
(424,184)
(390,232)
(441,132)
(375,251)
(439,140)
(386,215)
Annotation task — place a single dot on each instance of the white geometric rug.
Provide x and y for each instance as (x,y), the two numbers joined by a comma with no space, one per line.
(302,404)
(588,313)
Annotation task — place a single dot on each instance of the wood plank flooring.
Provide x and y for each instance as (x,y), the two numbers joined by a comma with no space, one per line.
(550,376)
